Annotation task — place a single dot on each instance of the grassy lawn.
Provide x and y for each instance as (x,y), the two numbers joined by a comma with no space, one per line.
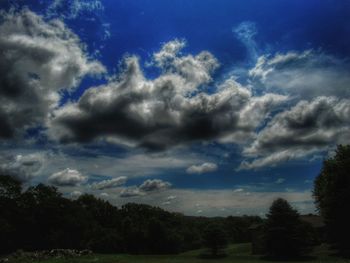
(236,253)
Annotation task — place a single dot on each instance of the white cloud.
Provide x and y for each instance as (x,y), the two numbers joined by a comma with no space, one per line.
(111,183)
(280,180)
(154,185)
(202,168)
(147,187)
(67,177)
(307,128)
(131,192)
(304,74)
(22,166)
(171,197)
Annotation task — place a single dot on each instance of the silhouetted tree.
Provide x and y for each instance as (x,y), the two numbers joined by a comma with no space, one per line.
(332,196)
(215,239)
(284,232)
(10,192)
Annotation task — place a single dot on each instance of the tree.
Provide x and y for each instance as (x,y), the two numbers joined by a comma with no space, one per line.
(10,191)
(332,197)
(215,239)
(10,188)
(284,232)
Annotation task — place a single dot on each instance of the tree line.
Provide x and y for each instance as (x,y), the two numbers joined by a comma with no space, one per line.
(41,218)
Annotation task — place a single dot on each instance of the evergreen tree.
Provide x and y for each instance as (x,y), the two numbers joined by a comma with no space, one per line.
(284,232)
(215,239)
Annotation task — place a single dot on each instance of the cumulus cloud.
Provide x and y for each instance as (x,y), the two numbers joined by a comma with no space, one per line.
(147,187)
(38,60)
(22,167)
(67,177)
(304,74)
(112,183)
(202,168)
(170,110)
(306,128)
(154,185)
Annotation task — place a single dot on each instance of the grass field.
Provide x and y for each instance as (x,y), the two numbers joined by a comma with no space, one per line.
(239,253)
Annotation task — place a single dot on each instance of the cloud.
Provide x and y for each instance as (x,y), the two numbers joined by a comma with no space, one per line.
(154,185)
(75,194)
(202,168)
(246,32)
(38,60)
(147,187)
(167,111)
(303,74)
(22,167)
(280,180)
(71,9)
(115,182)
(67,177)
(131,192)
(171,197)
(307,128)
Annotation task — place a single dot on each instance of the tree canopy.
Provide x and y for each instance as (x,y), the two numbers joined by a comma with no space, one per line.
(40,217)
(332,197)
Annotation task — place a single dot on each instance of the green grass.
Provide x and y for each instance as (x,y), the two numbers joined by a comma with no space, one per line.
(237,253)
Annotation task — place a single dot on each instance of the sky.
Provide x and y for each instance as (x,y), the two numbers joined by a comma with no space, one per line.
(210,108)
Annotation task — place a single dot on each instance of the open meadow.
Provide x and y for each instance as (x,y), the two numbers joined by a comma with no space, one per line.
(237,253)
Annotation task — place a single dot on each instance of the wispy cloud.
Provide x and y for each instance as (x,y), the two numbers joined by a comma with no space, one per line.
(246,32)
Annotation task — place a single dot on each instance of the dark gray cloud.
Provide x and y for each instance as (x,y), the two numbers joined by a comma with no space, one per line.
(306,128)
(38,59)
(67,177)
(167,111)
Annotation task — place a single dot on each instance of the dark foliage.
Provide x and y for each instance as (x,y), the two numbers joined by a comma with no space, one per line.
(215,239)
(285,237)
(332,196)
(40,218)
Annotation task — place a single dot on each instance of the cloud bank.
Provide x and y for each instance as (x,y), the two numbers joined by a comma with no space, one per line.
(170,110)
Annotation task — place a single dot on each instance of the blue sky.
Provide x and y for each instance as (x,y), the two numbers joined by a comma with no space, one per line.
(202,107)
